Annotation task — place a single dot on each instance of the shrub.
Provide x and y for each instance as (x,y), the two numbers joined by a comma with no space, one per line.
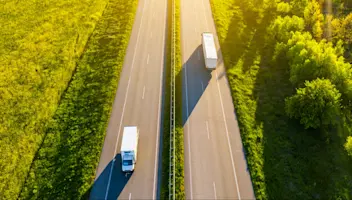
(316,105)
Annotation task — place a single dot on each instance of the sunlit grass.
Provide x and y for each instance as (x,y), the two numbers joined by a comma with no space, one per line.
(65,165)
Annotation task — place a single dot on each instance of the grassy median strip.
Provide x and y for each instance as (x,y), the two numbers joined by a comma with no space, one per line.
(179,149)
(64,167)
(40,42)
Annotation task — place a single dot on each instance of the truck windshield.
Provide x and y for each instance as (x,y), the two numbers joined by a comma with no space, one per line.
(127,162)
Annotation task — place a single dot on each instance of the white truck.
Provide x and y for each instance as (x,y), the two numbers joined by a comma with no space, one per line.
(129,147)
(209,50)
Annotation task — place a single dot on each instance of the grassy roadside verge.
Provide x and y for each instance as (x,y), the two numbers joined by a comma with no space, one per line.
(285,161)
(65,165)
(40,43)
(164,191)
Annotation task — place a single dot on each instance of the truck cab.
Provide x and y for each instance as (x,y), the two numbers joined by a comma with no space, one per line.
(128,163)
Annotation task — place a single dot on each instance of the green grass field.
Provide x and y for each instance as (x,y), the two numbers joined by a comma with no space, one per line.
(40,42)
(65,165)
(179,150)
(285,160)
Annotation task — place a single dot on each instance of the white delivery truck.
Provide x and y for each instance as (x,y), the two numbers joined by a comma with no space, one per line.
(209,50)
(129,147)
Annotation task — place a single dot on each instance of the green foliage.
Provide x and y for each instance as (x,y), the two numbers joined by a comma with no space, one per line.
(282,156)
(283,7)
(316,105)
(342,29)
(40,42)
(179,150)
(309,59)
(283,27)
(342,32)
(314,19)
(348,145)
(65,165)
(298,7)
(180,185)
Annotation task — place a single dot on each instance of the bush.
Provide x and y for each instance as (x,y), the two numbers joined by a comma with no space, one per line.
(316,105)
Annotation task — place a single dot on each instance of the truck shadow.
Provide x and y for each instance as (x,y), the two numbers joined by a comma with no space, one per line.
(198,78)
(117,182)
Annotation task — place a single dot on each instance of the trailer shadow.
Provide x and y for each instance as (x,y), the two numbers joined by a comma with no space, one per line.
(118,181)
(195,79)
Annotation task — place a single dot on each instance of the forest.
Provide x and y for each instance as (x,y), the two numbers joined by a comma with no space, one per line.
(55,95)
(288,65)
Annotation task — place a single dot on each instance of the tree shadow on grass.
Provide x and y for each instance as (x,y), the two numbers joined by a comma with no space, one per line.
(298,163)
(244,37)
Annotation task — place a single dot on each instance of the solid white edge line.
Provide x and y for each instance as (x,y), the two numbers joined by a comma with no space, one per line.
(143,92)
(129,197)
(205,17)
(188,124)
(223,113)
(214,190)
(189,139)
(206,123)
(228,137)
(124,105)
(160,92)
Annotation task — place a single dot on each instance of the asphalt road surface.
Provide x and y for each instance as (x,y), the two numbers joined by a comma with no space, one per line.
(215,164)
(137,103)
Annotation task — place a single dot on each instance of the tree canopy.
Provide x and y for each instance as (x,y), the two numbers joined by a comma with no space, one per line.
(309,59)
(282,28)
(315,105)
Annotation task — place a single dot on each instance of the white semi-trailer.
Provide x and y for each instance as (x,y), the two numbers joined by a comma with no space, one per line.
(209,50)
(129,147)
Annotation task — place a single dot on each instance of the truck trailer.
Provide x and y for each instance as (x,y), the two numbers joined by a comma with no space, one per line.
(129,148)
(209,51)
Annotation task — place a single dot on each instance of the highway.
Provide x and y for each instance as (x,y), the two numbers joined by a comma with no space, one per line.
(138,102)
(215,164)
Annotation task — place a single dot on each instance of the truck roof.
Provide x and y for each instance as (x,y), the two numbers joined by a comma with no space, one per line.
(209,45)
(129,138)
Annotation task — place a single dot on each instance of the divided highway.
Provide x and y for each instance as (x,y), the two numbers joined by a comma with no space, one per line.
(215,165)
(137,103)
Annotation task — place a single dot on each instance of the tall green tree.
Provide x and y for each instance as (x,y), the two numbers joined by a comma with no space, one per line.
(282,28)
(314,19)
(342,31)
(309,59)
(316,105)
